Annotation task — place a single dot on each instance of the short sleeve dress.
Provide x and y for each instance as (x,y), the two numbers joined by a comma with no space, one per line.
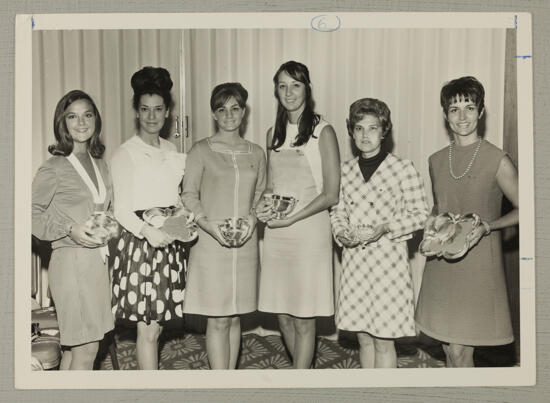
(222,183)
(78,276)
(464,301)
(296,276)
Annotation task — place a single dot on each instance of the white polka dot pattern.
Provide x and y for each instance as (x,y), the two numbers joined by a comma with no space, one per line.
(148,283)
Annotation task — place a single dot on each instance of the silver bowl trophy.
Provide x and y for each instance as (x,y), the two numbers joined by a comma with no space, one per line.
(359,233)
(281,206)
(234,230)
(102,226)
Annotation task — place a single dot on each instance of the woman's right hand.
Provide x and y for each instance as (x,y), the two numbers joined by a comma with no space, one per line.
(156,237)
(345,241)
(211,227)
(264,212)
(79,233)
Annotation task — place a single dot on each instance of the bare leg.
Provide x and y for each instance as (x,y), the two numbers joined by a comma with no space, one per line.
(234,341)
(147,347)
(66,359)
(385,355)
(448,363)
(460,356)
(366,350)
(304,343)
(217,341)
(83,356)
(286,324)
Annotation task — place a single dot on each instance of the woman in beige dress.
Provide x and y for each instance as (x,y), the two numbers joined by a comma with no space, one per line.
(66,190)
(296,281)
(224,179)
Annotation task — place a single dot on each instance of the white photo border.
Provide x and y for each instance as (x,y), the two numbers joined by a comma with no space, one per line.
(524,375)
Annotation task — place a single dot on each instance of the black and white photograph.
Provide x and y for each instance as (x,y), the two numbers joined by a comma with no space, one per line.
(217,200)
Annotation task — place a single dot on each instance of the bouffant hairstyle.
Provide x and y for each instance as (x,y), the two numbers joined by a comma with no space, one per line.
(152,81)
(467,88)
(369,106)
(64,142)
(308,120)
(222,92)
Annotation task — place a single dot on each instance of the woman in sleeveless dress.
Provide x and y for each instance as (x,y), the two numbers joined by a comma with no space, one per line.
(464,302)
(225,179)
(149,271)
(66,190)
(296,280)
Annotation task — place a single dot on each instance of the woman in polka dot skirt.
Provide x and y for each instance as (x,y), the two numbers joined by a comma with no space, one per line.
(385,194)
(148,275)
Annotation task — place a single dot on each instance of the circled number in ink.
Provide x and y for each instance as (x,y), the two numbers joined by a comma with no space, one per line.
(326,23)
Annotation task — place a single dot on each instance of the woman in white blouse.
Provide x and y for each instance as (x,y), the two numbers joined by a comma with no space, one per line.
(148,274)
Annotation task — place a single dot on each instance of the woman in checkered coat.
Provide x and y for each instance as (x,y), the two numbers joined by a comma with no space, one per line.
(383,196)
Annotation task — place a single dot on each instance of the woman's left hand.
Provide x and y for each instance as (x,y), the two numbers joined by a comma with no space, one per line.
(251,218)
(282,223)
(479,232)
(378,231)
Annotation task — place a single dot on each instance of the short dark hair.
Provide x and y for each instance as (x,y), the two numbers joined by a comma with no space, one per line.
(222,92)
(152,81)
(369,106)
(64,142)
(467,87)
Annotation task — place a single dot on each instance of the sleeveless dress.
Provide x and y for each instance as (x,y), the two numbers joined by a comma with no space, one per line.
(222,183)
(464,301)
(296,274)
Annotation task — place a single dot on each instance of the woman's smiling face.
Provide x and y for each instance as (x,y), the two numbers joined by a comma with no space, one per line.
(463,117)
(80,120)
(229,116)
(291,92)
(152,113)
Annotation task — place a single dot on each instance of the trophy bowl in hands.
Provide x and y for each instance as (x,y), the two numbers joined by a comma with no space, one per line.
(102,226)
(359,233)
(234,230)
(447,235)
(282,205)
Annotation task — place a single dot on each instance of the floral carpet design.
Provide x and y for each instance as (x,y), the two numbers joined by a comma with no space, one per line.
(188,351)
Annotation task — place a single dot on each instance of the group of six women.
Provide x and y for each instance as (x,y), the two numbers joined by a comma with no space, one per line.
(462,303)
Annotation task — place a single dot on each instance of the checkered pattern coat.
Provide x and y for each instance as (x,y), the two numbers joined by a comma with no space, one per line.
(376,292)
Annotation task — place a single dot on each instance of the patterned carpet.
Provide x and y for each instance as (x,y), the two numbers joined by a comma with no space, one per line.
(187,351)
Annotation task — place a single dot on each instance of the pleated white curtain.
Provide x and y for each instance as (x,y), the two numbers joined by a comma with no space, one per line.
(403,67)
(101,63)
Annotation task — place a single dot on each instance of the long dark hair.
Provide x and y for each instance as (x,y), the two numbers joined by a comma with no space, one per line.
(64,142)
(308,120)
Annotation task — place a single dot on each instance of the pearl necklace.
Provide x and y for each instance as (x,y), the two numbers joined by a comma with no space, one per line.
(469,165)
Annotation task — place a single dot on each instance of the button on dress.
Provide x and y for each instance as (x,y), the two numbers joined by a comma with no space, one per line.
(376,292)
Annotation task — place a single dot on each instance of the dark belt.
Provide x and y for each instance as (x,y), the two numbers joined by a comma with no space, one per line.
(139,213)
